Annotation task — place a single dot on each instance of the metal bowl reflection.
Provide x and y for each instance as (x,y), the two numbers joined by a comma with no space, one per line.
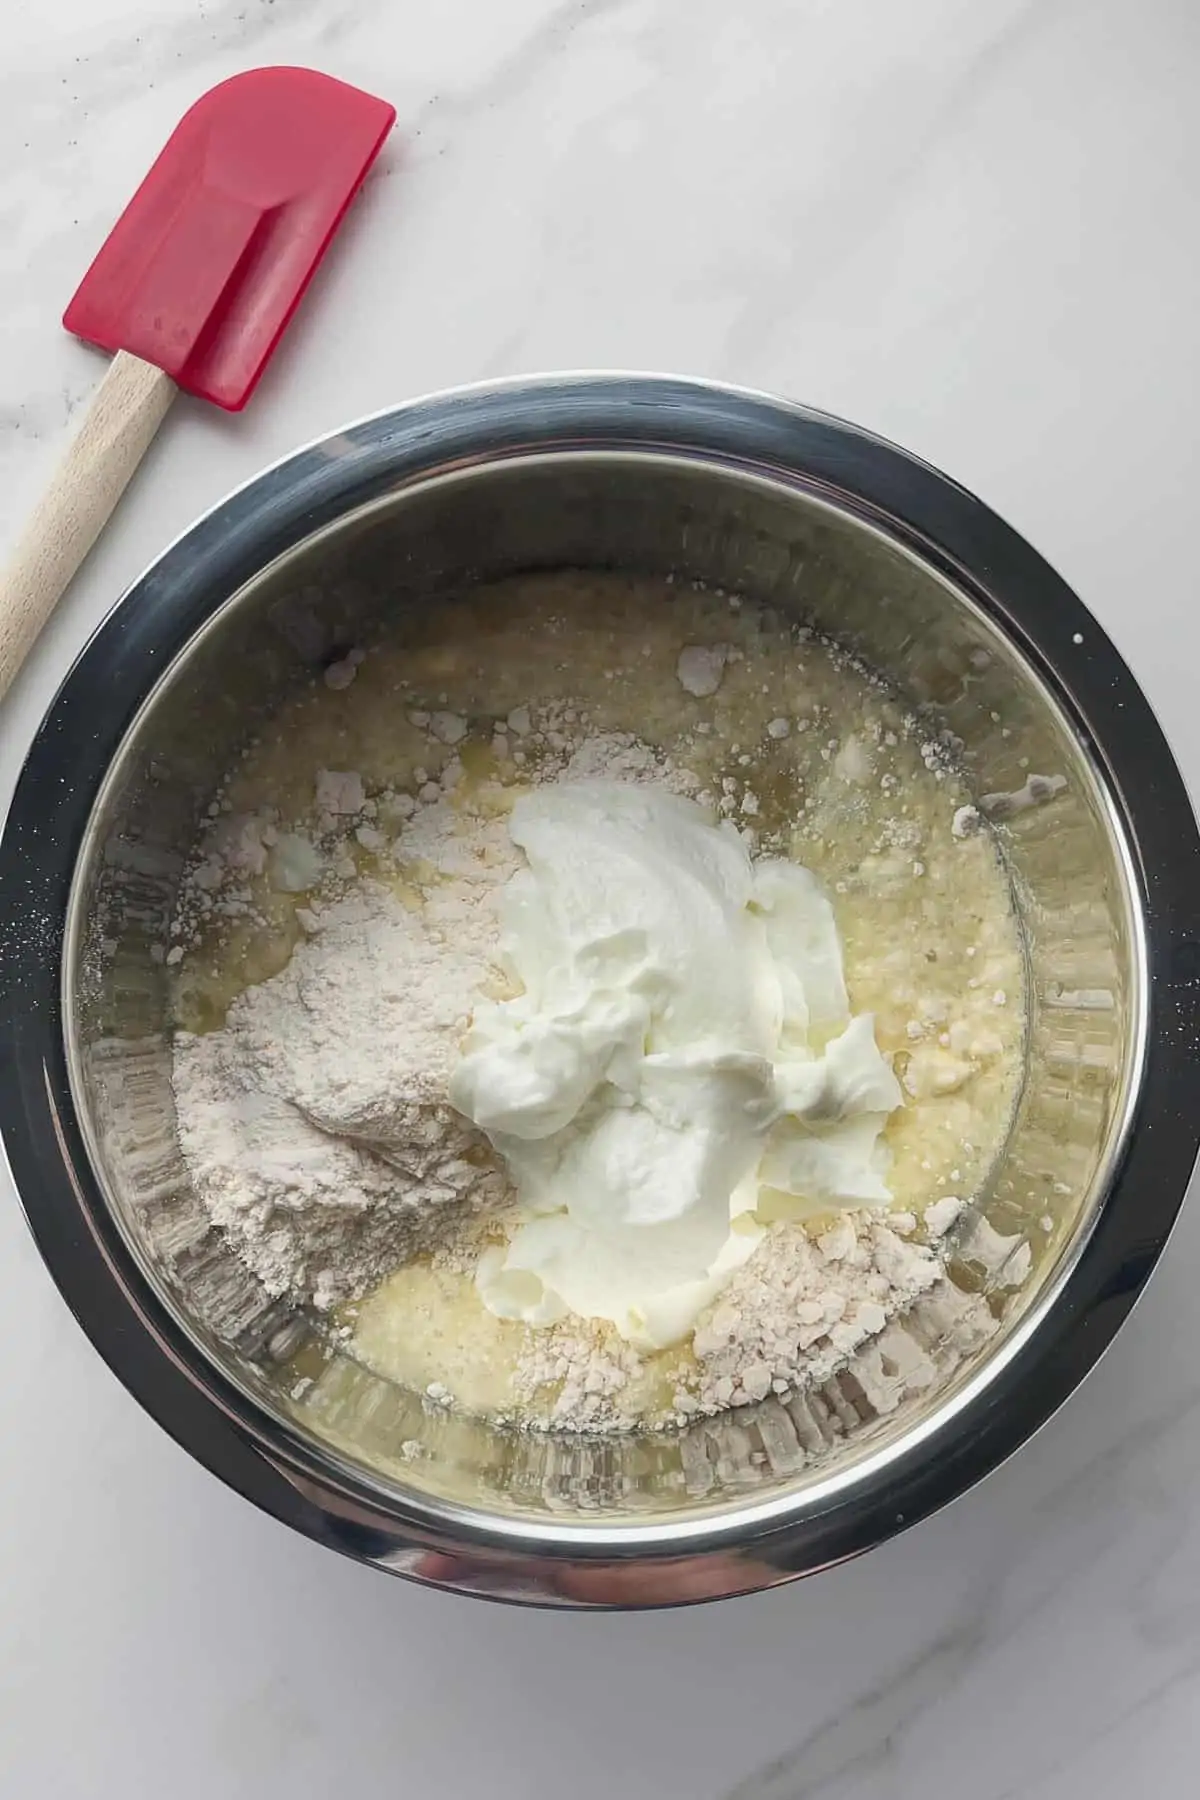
(814,519)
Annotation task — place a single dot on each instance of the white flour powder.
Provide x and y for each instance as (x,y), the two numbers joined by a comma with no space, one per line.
(793,1316)
(315,1123)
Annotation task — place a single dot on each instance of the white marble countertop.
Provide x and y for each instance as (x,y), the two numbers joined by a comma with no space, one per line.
(967,224)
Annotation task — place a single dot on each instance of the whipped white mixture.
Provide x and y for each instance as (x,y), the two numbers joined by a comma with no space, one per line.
(682,1038)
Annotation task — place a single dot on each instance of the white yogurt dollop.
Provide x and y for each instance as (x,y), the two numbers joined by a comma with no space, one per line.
(683,1043)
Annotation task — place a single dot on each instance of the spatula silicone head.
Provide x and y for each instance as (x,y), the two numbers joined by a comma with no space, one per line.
(207,263)
(191,289)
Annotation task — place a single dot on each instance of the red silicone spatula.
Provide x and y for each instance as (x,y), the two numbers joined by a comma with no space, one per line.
(192,289)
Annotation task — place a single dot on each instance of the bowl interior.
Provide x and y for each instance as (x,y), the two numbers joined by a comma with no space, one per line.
(816,557)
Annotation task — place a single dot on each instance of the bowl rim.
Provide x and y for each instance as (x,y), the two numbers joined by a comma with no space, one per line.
(69,761)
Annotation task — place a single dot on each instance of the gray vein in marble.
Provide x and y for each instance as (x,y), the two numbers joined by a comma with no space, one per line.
(1079,1526)
(1025,1788)
(860,1740)
(549,37)
(860,197)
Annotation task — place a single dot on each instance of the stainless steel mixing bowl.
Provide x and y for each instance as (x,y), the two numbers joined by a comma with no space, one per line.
(821,522)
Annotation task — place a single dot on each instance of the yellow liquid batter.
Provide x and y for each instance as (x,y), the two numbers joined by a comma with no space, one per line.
(839,777)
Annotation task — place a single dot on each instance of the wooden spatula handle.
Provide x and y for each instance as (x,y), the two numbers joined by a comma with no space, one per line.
(125,412)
